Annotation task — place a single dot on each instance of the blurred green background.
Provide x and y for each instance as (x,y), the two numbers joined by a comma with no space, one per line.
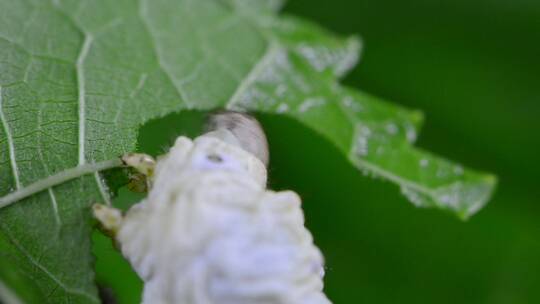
(473,67)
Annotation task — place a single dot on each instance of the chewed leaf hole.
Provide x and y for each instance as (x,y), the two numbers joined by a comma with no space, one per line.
(158,135)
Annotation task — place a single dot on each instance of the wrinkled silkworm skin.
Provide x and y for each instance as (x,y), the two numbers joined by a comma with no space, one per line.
(209,231)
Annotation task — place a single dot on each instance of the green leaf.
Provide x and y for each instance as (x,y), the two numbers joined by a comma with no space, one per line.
(14,287)
(78,78)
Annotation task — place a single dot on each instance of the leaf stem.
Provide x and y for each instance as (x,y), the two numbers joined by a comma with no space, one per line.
(57,179)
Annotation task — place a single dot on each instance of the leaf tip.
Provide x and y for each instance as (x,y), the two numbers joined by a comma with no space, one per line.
(489,183)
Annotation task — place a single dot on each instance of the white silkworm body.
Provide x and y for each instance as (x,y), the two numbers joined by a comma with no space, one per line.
(210,232)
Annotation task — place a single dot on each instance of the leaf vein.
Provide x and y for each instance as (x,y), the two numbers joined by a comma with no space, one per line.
(38,265)
(102,189)
(11,146)
(251,77)
(155,49)
(87,44)
(55,207)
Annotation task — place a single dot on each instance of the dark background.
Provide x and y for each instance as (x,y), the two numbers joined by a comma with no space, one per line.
(473,67)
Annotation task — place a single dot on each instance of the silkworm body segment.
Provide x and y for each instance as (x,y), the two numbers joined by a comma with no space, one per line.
(210,232)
